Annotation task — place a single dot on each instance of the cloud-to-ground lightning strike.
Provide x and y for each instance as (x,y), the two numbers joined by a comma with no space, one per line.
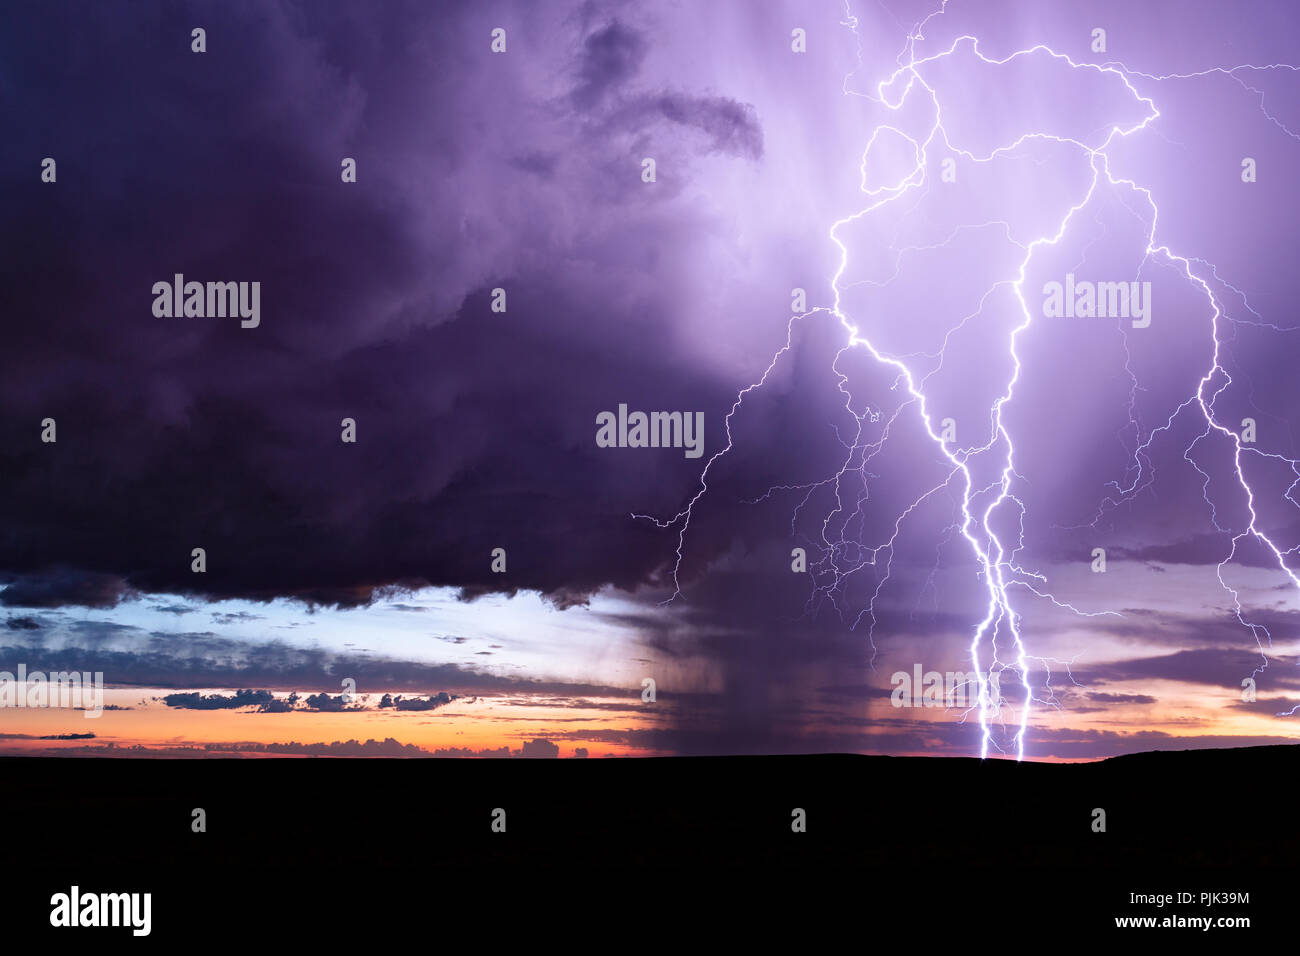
(999,633)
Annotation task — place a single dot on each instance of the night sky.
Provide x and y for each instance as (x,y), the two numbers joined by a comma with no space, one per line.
(775,170)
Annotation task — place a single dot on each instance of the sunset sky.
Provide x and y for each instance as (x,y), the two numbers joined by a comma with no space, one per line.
(523,170)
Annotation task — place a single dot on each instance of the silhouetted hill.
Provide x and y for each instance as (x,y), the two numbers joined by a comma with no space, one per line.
(892,838)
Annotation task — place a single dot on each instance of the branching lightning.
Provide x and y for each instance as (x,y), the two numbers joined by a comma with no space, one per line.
(998,638)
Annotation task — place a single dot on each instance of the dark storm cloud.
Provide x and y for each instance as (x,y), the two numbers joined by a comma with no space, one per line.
(65,586)
(183,433)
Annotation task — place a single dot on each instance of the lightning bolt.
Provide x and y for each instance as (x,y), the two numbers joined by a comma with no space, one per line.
(998,632)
